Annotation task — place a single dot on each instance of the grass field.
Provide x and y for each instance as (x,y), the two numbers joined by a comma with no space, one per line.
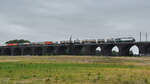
(74,70)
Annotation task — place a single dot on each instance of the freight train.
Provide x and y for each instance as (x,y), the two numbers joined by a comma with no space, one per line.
(88,41)
(111,40)
(32,43)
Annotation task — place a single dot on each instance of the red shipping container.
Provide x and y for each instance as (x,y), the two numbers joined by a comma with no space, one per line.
(12,44)
(9,44)
(48,42)
(15,44)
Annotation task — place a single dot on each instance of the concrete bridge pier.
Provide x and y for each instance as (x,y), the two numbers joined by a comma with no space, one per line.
(38,51)
(89,50)
(49,50)
(144,49)
(69,50)
(33,51)
(11,52)
(16,51)
(60,50)
(22,51)
(1,52)
(27,51)
(76,50)
(44,51)
(124,49)
(106,50)
(6,51)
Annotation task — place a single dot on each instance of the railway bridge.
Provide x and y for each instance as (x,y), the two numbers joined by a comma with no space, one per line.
(74,49)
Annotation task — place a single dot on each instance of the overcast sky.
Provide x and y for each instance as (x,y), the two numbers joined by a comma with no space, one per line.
(41,20)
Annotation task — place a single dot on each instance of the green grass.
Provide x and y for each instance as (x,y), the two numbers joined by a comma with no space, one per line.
(74,70)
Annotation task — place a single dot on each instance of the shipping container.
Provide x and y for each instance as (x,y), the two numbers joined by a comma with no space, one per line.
(48,43)
(12,44)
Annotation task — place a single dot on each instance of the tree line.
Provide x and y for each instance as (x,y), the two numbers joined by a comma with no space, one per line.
(18,41)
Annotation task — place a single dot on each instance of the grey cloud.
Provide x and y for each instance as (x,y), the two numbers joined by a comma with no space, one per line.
(40,20)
